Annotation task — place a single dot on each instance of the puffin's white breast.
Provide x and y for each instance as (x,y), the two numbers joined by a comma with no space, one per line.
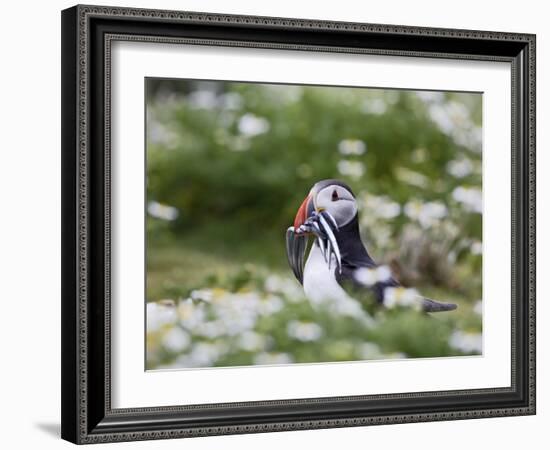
(320,283)
(321,287)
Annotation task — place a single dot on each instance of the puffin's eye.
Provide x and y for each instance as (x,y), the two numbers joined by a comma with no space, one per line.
(334,195)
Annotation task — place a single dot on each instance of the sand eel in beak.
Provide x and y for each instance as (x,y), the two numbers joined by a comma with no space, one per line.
(329,214)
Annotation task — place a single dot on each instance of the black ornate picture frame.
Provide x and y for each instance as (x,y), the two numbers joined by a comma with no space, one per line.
(87,35)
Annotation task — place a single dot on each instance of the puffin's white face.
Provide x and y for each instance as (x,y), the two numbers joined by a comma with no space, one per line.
(338,201)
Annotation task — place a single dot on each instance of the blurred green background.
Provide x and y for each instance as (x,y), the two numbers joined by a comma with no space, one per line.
(228,164)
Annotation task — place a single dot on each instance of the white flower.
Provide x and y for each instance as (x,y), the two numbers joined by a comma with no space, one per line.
(411,177)
(286,286)
(158,133)
(449,116)
(304,331)
(370,350)
(413,209)
(159,314)
(471,198)
(202,99)
(353,169)
(389,210)
(454,119)
(352,147)
(400,296)
(365,276)
(476,248)
(382,206)
(371,276)
(383,273)
(251,341)
(211,329)
(435,210)
(271,305)
(430,96)
(451,256)
(203,354)
(231,100)
(252,125)
(471,138)
(460,168)
(427,214)
(161,211)
(273,358)
(206,295)
(191,315)
(235,313)
(466,342)
(478,307)
(439,115)
(349,307)
(374,106)
(176,340)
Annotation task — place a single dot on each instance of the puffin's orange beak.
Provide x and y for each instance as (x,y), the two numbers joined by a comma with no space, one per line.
(301,215)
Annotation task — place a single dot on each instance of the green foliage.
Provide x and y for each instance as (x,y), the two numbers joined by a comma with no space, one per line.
(228,164)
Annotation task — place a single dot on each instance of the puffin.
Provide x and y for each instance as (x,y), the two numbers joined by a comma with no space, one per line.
(337,258)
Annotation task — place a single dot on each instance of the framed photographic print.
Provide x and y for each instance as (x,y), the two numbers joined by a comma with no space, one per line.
(281,224)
